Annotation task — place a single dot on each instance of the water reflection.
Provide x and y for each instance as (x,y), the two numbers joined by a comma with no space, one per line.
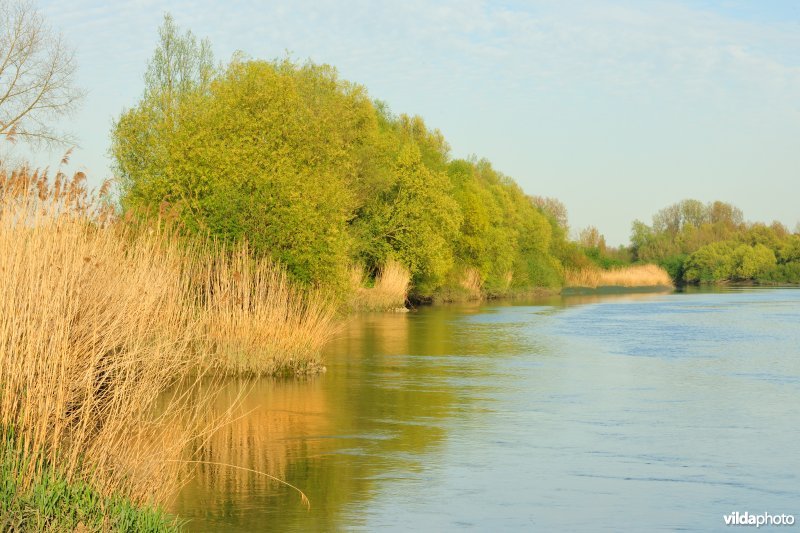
(375,417)
(623,412)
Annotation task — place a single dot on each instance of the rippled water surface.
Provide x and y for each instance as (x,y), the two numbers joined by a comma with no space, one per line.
(637,412)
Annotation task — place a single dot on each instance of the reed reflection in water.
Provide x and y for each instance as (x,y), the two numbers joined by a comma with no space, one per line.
(624,412)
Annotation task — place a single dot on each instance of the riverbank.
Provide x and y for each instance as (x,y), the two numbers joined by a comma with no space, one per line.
(101,321)
(101,317)
(52,502)
(634,276)
(408,396)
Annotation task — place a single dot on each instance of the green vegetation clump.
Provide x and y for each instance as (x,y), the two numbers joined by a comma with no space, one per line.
(52,503)
(711,243)
(312,173)
(593,244)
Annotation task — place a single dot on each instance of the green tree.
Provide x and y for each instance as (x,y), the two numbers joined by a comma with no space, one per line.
(552,207)
(790,250)
(270,152)
(641,235)
(713,262)
(142,143)
(414,222)
(726,214)
(752,262)
(180,66)
(591,238)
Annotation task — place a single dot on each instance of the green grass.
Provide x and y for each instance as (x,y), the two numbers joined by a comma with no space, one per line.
(52,503)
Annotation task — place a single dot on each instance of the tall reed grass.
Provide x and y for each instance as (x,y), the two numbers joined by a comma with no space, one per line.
(106,331)
(632,276)
(472,282)
(256,322)
(462,285)
(92,333)
(389,292)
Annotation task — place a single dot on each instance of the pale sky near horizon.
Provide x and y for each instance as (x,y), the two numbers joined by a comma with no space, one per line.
(617,108)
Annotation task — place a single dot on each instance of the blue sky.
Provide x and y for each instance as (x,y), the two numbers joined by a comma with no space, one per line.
(617,108)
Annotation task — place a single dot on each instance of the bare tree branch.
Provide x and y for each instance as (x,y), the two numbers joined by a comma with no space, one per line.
(36,76)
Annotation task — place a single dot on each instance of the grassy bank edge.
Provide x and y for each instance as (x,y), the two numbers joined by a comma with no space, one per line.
(54,503)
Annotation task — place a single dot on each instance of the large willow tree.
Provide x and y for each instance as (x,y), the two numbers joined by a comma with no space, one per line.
(310,171)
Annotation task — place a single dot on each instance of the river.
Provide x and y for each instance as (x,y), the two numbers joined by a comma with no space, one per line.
(638,412)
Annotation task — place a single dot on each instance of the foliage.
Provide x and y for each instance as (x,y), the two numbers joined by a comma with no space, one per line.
(52,503)
(713,262)
(591,249)
(553,208)
(675,265)
(179,67)
(506,237)
(313,174)
(752,262)
(590,237)
(413,222)
(265,155)
(729,261)
(711,243)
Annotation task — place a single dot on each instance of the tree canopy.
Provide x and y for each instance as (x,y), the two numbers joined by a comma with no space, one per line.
(311,171)
(711,242)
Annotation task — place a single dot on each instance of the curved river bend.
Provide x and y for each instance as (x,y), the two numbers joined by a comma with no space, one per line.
(627,413)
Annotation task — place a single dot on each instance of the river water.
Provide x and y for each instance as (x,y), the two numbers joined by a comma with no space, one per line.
(640,412)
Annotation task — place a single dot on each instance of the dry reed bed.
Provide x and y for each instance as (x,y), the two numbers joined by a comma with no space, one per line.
(632,276)
(256,321)
(99,322)
(472,283)
(389,292)
(91,335)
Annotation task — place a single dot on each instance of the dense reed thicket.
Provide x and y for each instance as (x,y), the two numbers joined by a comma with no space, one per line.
(106,330)
(629,276)
(256,321)
(388,291)
(92,334)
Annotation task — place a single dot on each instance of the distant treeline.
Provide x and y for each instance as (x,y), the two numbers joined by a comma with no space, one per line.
(311,171)
(710,243)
